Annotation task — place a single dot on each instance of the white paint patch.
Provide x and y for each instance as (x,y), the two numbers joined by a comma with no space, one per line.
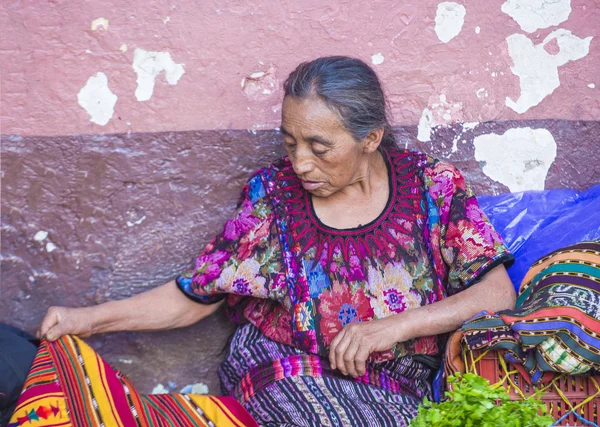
(138,222)
(438,113)
(199,388)
(167,19)
(126,361)
(591,85)
(469,125)
(97,99)
(377,59)
(537,69)
(519,159)
(260,84)
(425,126)
(159,389)
(477,30)
(50,247)
(532,15)
(148,65)
(449,19)
(100,22)
(40,236)
(123,48)
(482,93)
(466,126)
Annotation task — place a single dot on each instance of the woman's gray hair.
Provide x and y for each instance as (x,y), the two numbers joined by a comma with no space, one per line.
(348,86)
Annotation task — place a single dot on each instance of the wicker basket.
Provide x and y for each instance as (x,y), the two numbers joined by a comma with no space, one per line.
(562,394)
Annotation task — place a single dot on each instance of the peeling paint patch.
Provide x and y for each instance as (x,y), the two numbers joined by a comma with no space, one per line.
(482,93)
(377,59)
(477,30)
(425,126)
(537,69)
(199,388)
(100,23)
(97,99)
(167,19)
(50,247)
(138,222)
(591,85)
(439,112)
(260,84)
(148,65)
(160,389)
(449,19)
(520,158)
(123,48)
(532,15)
(40,236)
(467,126)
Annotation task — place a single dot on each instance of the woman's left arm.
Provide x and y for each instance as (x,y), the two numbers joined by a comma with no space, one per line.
(351,348)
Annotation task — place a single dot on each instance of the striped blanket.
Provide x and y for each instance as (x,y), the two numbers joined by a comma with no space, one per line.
(556,325)
(70,385)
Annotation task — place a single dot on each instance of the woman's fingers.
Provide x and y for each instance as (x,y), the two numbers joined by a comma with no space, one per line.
(333,346)
(349,358)
(344,349)
(51,318)
(340,351)
(360,360)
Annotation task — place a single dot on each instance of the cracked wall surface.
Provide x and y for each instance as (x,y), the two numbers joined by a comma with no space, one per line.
(129,129)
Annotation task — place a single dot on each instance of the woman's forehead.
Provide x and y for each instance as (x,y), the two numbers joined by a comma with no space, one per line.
(310,111)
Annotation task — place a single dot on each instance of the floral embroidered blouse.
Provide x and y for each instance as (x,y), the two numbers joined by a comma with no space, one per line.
(300,282)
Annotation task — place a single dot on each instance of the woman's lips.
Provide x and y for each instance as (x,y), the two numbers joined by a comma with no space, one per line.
(311,185)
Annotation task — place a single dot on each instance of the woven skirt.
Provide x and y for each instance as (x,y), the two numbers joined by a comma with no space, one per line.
(282,386)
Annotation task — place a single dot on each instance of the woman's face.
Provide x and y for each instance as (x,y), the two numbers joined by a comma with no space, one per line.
(325,156)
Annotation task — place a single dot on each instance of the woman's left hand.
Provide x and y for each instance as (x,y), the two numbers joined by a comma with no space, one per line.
(351,348)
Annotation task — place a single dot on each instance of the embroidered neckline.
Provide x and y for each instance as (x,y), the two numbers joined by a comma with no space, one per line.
(375,239)
(361,228)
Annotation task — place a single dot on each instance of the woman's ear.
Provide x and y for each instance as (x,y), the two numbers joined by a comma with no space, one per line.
(373,140)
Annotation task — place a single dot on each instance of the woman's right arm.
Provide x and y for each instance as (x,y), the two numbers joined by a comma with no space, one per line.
(164,307)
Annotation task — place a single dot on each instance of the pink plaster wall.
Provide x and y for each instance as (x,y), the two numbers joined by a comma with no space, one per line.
(49,51)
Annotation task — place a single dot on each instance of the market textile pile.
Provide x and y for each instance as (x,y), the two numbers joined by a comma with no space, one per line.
(70,385)
(556,324)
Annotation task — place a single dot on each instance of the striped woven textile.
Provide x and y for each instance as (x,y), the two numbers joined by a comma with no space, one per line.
(282,386)
(70,385)
(556,325)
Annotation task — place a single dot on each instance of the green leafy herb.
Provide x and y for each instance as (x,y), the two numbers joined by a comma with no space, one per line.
(474,402)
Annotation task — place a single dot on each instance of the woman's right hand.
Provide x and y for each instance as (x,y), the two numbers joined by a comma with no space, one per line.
(61,321)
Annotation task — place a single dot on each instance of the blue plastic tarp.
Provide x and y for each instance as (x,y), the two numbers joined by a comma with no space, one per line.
(535,223)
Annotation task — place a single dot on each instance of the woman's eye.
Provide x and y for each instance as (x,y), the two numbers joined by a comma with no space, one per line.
(320,152)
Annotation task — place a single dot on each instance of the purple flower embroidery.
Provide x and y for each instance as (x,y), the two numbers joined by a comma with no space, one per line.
(394,300)
(241,286)
(208,267)
(243,222)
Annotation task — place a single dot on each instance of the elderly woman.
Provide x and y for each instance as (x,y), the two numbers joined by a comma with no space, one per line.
(344,264)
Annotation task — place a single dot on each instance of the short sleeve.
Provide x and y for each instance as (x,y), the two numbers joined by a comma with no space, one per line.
(244,259)
(463,238)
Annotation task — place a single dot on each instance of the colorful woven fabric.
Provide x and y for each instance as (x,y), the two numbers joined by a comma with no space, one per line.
(70,385)
(281,386)
(556,325)
(300,282)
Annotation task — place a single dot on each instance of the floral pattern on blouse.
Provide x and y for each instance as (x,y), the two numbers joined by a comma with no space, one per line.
(300,282)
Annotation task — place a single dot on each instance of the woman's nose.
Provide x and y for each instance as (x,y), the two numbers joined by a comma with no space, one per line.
(303,162)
